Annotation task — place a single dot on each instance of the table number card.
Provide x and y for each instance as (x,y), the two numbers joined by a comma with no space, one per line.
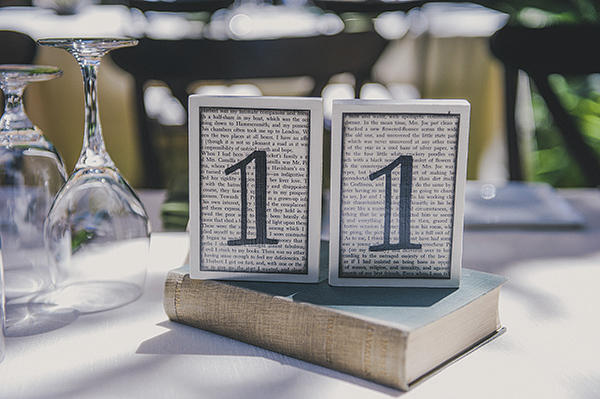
(398,178)
(255,187)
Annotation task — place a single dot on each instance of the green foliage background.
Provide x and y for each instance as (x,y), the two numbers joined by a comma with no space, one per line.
(579,95)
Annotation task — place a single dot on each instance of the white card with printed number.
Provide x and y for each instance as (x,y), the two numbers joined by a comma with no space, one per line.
(255,187)
(398,177)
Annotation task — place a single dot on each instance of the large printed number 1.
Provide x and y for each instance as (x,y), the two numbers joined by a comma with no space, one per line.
(260,181)
(405,162)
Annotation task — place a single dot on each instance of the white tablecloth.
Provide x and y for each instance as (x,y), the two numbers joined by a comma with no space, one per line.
(550,349)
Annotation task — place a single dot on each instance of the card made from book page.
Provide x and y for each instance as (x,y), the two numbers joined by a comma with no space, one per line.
(255,187)
(398,177)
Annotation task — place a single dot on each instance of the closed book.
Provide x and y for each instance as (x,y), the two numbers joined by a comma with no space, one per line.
(392,336)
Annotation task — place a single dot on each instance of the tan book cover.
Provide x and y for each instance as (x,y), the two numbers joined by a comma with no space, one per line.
(392,336)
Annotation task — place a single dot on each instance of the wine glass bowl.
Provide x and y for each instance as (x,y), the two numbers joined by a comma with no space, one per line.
(31,173)
(97,232)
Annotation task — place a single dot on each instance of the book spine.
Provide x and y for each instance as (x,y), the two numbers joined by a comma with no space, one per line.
(315,334)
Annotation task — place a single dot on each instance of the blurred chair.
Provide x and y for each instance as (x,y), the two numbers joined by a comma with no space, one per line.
(179,63)
(373,7)
(16,48)
(569,50)
(179,5)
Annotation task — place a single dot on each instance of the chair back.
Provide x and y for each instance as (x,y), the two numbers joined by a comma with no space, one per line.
(564,49)
(179,63)
(16,48)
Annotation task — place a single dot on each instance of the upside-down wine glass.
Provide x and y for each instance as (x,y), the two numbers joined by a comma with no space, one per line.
(31,173)
(97,231)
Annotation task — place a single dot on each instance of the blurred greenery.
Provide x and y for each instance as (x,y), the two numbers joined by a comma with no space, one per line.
(579,95)
(581,98)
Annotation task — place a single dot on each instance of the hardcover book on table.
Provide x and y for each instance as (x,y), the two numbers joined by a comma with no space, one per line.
(390,335)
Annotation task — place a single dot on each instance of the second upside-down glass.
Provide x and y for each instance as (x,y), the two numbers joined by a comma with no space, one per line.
(97,232)
(31,173)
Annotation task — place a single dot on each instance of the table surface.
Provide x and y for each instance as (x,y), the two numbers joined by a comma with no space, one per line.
(550,348)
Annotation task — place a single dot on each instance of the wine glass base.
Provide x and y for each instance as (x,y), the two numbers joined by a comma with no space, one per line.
(93,296)
(21,283)
(26,319)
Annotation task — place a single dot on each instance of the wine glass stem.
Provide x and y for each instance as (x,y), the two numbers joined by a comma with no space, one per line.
(14,117)
(93,153)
